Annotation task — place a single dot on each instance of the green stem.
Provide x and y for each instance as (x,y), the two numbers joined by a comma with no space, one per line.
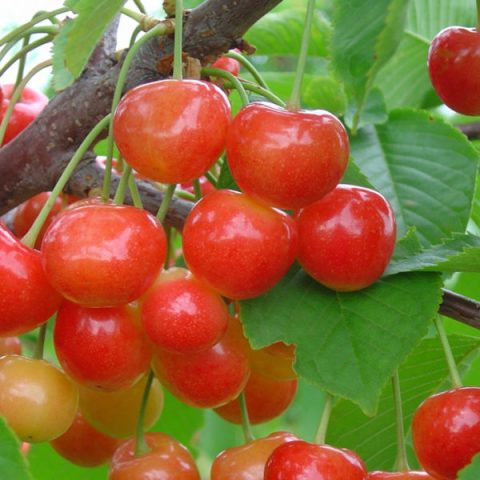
(177,48)
(31,236)
(136,198)
(167,198)
(218,72)
(23,51)
(401,462)
(122,186)
(249,66)
(14,34)
(294,101)
(21,63)
(16,95)
(39,346)
(138,17)
(452,366)
(134,35)
(264,93)
(197,189)
(160,29)
(246,426)
(140,6)
(141,446)
(323,426)
(185,195)
(211,178)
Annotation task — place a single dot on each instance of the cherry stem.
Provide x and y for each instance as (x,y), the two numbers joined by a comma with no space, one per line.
(167,198)
(122,186)
(136,198)
(218,72)
(31,236)
(21,63)
(39,346)
(452,366)
(177,46)
(16,95)
(197,189)
(141,446)
(211,178)
(401,462)
(161,29)
(325,418)
(251,87)
(246,426)
(185,195)
(134,35)
(294,101)
(140,6)
(249,66)
(14,34)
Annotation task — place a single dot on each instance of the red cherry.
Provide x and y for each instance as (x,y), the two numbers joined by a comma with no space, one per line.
(172,131)
(26,298)
(103,255)
(446,431)
(182,315)
(209,378)
(347,239)
(10,346)
(166,460)
(266,399)
(299,460)
(274,361)
(205,186)
(287,159)
(31,103)
(399,476)
(102,348)
(83,445)
(247,462)
(228,64)
(453,58)
(238,246)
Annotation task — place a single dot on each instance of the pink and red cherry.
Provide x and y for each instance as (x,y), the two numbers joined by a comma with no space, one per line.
(453,59)
(347,238)
(172,131)
(286,159)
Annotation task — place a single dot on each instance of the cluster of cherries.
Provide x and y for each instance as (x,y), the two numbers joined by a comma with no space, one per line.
(119,312)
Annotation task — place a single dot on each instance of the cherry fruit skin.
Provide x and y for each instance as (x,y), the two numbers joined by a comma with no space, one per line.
(83,445)
(274,361)
(101,255)
(237,246)
(166,460)
(182,315)
(300,460)
(266,398)
(286,159)
(453,57)
(410,475)
(38,401)
(247,462)
(10,346)
(346,239)
(31,103)
(172,131)
(102,348)
(228,64)
(26,297)
(446,431)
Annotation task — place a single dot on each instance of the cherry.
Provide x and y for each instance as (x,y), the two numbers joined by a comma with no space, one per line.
(247,462)
(274,361)
(446,431)
(26,298)
(238,246)
(209,378)
(399,476)
(83,445)
(38,401)
(31,103)
(102,255)
(347,239)
(287,159)
(228,64)
(453,57)
(205,186)
(116,413)
(182,315)
(10,346)
(166,460)
(102,348)
(300,460)
(172,131)
(266,399)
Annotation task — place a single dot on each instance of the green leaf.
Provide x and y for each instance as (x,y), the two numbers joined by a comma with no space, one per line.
(62,77)
(460,253)
(13,465)
(78,41)
(472,471)
(366,34)
(324,93)
(424,373)
(347,343)
(374,111)
(424,167)
(354,176)
(225,180)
